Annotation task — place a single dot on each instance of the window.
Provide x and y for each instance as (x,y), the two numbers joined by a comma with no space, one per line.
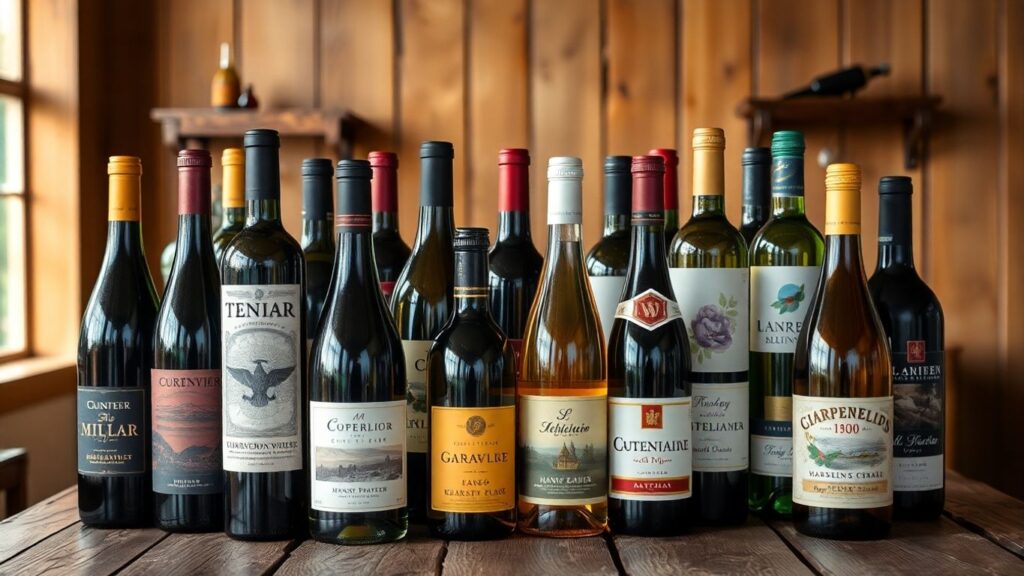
(13,233)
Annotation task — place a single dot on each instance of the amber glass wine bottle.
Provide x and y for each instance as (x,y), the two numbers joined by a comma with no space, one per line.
(563,391)
(650,456)
(710,279)
(842,388)
(472,378)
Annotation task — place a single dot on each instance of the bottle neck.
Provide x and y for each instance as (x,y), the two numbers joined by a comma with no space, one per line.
(234,217)
(385,222)
(353,261)
(709,205)
(514,227)
(708,182)
(262,185)
(787,206)
(618,192)
(194,235)
(435,220)
(788,186)
(615,223)
(262,210)
(756,192)
(843,254)
(320,231)
(124,239)
(471,285)
(647,253)
(895,231)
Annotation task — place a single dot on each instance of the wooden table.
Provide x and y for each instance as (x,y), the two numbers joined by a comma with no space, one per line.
(981,532)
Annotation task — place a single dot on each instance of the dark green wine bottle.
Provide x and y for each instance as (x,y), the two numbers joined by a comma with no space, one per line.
(608,259)
(757,166)
(317,236)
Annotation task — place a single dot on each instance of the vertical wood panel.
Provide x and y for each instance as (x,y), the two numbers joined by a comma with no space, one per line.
(431,95)
(798,40)
(566,103)
(642,67)
(357,68)
(712,88)
(498,100)
(876,31)
(1012,213)
(962,212)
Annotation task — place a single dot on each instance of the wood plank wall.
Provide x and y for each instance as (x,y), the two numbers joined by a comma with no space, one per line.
(596,77)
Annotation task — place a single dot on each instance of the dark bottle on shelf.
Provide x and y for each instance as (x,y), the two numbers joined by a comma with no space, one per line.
(263,335)
(913,322)
(514,261)
(389,250)
(115,356)
(186,381)
(649,429)
(471,372)
(317,236)
(233,186)
(757,164)
(671,191)
(357,407)
(607,260)
(842,388)
(845,81)
(422,304)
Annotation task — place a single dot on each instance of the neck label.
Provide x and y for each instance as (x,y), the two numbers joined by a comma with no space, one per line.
(649,310)
(788,177)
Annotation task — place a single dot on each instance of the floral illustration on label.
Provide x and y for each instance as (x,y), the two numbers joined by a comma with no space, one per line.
(712,329)
(790,297)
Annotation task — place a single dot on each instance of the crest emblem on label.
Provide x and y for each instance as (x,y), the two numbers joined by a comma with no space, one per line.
(915,351)
(651,416)
(649,309)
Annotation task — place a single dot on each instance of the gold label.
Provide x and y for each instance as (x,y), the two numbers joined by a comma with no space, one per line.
(472,459)
(778,408)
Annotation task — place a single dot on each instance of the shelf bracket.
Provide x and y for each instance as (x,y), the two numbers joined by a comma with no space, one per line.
(915,135)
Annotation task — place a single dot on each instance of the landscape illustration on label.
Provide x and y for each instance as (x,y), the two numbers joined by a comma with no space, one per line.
(359,465)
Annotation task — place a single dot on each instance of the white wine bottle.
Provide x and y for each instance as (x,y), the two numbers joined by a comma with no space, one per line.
(842,388)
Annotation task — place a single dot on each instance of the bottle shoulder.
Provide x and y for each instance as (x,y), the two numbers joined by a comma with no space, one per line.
(901,291)
(610,255)
(708,242)
(787,241)
(261,247)
(515,260)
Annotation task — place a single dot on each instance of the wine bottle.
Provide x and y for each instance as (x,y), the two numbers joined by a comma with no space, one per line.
(785,262)
(224,90)
(389,250)
(263,334)
(710,279)
(356,389)
(115,356)
(188,482)
(650,456)
(671,191)
(472,378)
(912,318)
(842,387)
(563,393)
(608,259)
(757,165)
(317,236)
(422,304)
(233,167)
(514,261)
(844,81)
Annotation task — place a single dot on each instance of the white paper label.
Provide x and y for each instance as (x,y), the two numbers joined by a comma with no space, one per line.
(714,305)
(607,292)
(416,393)
(842,452)
(650,456)
(720,420)
(771,448)
(357,456)
(780,297)
(262,343)
(922,473)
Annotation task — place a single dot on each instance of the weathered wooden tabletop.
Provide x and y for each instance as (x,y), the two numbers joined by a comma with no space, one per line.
(981,532)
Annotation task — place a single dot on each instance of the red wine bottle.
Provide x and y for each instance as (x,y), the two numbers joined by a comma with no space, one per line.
(912,318)
(671,191)
(264,341)
(317,235)
(390,252)
(515,263)
(650,453)
(422,304)
(188,481)
(357,405)
(115,356)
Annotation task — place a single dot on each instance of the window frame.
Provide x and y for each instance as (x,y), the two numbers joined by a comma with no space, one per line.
(19,89)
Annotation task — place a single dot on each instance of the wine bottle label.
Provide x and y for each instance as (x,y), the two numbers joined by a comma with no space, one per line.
(650,455)
(357,455)
(842,452)
(111,425)
(917,384)
(779,300)
(771,440)
(416,393)
(713,302)
(720,417)
(563,449)
(187,453)
(262,378)
(472,459)
(607,292)
(649,310)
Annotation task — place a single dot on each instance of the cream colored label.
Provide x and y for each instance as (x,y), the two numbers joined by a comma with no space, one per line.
(779,299)
(650,456)
(416,393)
(842,452)
(713,302)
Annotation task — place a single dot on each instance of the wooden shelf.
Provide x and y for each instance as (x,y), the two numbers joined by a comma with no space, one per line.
(915,115)
(337,127)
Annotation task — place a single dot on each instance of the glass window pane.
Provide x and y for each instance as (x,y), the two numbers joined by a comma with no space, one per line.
(12,146)
(12,274)
(10,39)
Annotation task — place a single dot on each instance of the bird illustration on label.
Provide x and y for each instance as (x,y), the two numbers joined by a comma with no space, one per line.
(260,381)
